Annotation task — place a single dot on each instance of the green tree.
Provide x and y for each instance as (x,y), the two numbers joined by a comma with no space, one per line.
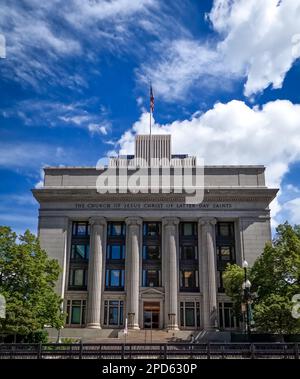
(233,279)
(275,278)
(27,281)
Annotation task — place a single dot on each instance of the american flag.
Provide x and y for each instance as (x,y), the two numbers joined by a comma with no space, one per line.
(151,99)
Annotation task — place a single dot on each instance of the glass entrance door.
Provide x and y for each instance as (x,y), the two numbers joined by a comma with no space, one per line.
(151,315)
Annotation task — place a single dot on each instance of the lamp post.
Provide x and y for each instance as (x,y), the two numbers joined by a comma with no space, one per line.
(247,298)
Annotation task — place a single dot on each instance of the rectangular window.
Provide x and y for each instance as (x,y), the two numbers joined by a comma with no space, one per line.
(113,312)
(227,319)
(114,279)
(151,278)
(151,229)
(115,252)
(188,252)
(78,278)
(116,229)
(80,252)
(189,280)
(81,229)
(151,252)
(76,312)
(189,314)
(225,245)
(225,229)
(188,229)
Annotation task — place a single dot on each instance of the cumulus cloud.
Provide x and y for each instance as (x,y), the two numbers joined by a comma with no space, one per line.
(292,210)
(234,133)
(258,40)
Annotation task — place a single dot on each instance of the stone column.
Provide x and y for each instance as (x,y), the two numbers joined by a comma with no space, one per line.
(171,301)
(98,227)
(133,270)
(209,286)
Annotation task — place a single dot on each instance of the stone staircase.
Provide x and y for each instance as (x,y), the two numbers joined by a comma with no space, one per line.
(117,336)
(154,336)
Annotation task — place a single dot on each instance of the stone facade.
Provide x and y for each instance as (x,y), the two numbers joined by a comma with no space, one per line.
(235,197)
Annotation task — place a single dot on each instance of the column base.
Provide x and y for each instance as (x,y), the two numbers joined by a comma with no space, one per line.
(94,326)
(133,327)
(172,328)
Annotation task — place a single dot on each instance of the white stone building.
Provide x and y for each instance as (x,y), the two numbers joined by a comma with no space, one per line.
(151,257)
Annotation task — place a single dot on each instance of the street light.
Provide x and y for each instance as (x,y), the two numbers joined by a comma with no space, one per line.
(247,297)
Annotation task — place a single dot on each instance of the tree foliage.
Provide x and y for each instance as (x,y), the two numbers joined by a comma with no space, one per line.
(27,281)
(275,278)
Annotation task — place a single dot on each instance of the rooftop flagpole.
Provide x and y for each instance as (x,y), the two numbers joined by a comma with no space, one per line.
(151,112)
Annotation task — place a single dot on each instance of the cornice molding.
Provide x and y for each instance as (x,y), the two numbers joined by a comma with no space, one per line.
(214,195)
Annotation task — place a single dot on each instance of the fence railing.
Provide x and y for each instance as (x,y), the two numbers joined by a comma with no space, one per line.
(154,350)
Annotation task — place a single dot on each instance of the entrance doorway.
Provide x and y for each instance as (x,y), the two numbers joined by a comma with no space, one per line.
(151,315)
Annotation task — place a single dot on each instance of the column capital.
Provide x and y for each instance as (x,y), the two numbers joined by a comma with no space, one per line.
(170,221)
(97,221)
(207,220)
(133,221)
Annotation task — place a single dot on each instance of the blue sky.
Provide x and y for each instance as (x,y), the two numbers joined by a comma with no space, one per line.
(74,82)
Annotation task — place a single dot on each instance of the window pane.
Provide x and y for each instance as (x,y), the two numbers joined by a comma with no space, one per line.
(225,253)
(152,278)
(116,229)
(187,279)
(189,317)
(189,305)
(115,278)
(75,319)
(188,252)
(121,312)
(114,303)
(227,317)
(78,277)
(105,314)
(81,229)
(151,252)
(181,317)
(188,229)
(198,315)
(113,315)
(115,252)
(151,229)
(79,252)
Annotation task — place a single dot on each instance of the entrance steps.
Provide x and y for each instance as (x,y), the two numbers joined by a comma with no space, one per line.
(155,336)
(87,335)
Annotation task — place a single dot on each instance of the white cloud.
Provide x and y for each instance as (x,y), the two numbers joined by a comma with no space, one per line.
(260,41)
(40,183)
(292,210)
(79,114)
(40,34)
(235,133)
(181,64)
(95,128)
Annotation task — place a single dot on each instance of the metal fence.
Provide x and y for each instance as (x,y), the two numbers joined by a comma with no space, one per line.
(154,350)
